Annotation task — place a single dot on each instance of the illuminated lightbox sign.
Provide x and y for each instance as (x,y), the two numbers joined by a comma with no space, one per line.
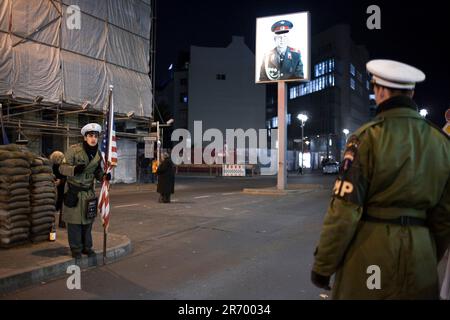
(283,48)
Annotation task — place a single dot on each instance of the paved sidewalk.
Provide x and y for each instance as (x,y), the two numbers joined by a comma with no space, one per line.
(30,264)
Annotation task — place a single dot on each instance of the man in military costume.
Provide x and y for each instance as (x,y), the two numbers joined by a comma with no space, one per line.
(388,223)
(283,62)
(82,165)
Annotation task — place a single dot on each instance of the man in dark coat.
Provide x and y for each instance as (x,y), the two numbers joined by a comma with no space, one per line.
(282,62)
(166,178)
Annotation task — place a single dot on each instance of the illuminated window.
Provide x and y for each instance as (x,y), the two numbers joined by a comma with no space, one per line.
(275,122)
(352,69)
(352,83)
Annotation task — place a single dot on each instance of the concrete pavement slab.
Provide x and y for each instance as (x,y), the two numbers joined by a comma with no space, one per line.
(30,264)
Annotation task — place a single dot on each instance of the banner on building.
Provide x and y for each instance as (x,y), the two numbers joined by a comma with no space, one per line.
(233,170)
(283,48)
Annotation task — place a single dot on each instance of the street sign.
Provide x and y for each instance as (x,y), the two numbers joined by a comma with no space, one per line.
(233,170)
(149,149)
(447,128)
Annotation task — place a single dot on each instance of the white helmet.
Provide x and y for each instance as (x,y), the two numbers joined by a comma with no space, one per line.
(91,127)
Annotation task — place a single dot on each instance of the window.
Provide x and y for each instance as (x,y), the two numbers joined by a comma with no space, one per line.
(352,83)
(275,122)
(359,76)
(221,76)
(367,84)
(183,98)
(352,69)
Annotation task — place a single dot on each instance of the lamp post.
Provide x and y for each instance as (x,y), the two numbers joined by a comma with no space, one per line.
(303,118)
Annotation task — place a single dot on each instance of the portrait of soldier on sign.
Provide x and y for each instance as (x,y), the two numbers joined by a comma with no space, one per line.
(282,62)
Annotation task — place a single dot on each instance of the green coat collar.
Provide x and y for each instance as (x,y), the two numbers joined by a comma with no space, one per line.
(398,106)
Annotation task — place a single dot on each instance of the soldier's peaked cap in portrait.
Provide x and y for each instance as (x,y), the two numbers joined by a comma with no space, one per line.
(282,26)
(91,127)
(394,74)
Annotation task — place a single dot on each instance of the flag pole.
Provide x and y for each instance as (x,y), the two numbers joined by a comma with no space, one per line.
(105,232)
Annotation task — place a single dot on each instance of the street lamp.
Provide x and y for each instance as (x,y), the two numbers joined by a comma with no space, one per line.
(423,112)
(346,132)
(303,118)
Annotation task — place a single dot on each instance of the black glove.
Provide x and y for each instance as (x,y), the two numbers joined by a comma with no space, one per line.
(79,169)
(320,281)
(107,177)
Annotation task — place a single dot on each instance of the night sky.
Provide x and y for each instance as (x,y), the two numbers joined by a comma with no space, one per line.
(416,33)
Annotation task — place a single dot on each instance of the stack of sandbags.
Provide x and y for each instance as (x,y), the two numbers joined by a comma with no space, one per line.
(14,195)
(43,197)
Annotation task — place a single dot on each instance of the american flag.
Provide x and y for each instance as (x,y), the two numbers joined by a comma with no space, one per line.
(109,154)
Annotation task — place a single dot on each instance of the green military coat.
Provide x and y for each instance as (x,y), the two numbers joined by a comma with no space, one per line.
(77,155)
(397,165)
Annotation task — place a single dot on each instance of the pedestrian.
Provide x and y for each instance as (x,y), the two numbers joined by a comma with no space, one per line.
(282,62)
(154,169)
(82,165)
(57,158)
(388,223)
(166,178)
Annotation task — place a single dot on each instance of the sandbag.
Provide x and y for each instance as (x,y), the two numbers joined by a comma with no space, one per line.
(14,163)
(42,177)
(15,225)
(14,240)
(43,220)
(42,214)
(20,211)
(6,219)
(14,171)
(15,205)
(15,155)
(39,237)
(44,190)
(21,197)
(43,208)
(40,161)
(12,186)
(8,233)
(41,228)
(42,184)
(41,202)
(41,169)
(19,191)
(47,195)
(14,179)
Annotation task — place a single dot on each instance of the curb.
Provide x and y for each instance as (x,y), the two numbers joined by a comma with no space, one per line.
(56,269)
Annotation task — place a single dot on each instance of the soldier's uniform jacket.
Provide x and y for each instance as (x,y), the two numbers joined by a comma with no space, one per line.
(397,165)
(281,67)
(74,156)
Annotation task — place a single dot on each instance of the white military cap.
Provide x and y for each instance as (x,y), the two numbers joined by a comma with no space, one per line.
(91,127)
(394,74)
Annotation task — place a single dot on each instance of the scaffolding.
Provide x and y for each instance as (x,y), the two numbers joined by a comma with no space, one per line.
(50,67)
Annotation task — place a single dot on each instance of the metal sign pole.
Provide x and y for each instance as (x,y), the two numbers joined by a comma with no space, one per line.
(282,135)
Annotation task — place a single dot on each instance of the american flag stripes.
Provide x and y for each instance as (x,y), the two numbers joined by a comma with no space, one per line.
(109,153)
